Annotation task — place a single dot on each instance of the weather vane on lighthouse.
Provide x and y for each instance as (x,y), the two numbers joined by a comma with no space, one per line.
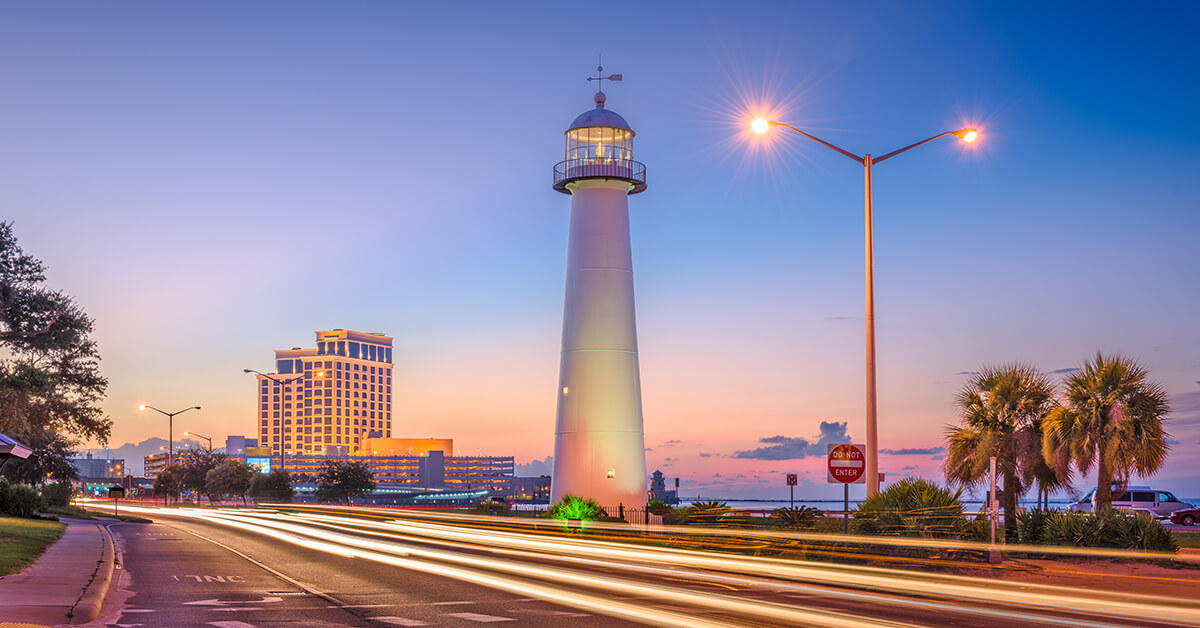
(600,97)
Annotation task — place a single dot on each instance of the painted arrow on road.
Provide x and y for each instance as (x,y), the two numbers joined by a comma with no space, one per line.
(219,602)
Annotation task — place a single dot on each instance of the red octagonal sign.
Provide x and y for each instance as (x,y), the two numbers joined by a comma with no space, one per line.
(847,464)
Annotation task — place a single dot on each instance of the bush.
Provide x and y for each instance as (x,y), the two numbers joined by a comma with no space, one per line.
(1031,525)
(912,507)
(58,494)
(1110,528)
(710,512)
(659,507)
(23,501)
(802,517)
(575,507)
(5,494)
(491,507)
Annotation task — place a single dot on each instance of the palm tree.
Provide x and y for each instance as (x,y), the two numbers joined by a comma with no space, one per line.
(1112,416)
(1002,408)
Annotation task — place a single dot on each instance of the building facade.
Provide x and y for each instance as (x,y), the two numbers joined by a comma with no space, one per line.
(327,400)
(96,468)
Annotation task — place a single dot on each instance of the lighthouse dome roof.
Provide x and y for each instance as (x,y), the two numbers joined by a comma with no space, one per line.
(600,117)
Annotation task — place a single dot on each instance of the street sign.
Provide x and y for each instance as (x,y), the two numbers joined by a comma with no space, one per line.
(116,492)
(792,480)
(847,464)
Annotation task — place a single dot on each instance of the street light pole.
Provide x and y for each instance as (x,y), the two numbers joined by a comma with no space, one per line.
(283,384)
(967,135)
(201,436)
(170,428)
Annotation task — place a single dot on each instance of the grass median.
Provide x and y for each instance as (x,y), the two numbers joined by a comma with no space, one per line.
(22,541)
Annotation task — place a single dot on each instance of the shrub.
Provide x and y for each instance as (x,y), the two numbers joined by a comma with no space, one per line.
(658,507)
(911,507)
(1110,528)
(5,493)
(575,507)
(58,493)
(707,512)
(491,507)
(24,501)
(802,517)
(1031,525)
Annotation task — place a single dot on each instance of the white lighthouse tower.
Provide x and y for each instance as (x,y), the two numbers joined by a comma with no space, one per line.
(599,446)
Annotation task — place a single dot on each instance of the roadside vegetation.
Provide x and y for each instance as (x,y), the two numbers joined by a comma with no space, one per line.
(22,541)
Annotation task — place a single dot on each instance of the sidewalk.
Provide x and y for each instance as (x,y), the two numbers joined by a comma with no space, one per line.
(60,588)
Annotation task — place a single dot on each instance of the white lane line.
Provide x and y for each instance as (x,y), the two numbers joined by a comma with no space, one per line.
(231,624)
(450,603)
(483,619)
(399,621)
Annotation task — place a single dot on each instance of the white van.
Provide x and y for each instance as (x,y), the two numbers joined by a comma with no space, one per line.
(1135,498)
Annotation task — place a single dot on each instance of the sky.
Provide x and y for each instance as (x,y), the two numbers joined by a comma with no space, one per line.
(214,181)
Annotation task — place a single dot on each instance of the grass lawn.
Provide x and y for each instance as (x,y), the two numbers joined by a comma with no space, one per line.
(22,541)
(1186,539)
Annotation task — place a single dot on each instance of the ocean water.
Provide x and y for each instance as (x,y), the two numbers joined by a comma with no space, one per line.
(971,505)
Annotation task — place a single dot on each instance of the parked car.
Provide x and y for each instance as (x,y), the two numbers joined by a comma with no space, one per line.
(1158,503)
(1187,516)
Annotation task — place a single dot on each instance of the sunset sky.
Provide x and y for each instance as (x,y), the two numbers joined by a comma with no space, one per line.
(213,181)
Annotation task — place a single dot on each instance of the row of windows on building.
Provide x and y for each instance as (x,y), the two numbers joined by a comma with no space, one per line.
(355,351)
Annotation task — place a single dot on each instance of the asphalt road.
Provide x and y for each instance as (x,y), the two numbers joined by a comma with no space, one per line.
(193,573)
(241,568)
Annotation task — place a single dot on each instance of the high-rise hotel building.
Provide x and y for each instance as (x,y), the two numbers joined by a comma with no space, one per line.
(327,400)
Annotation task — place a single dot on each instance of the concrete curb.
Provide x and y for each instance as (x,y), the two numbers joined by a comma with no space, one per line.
(88,607)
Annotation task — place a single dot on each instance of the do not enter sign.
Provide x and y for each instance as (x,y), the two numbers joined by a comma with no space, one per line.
(847,464)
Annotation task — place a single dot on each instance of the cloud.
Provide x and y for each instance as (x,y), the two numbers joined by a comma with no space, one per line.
(535,468)
(914,451)
(709,455)
(842,318)
(1066,370)
(937,457)
(716,475)
(1172,441)
(649,449)
(788,448)
(911,467)
(967,373)
(670,443)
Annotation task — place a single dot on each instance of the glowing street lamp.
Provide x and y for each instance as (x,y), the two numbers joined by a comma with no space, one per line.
(170,428)
(761,126)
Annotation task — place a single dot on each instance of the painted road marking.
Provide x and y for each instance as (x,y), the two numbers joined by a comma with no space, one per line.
(211,578)
(450,603)
(231,624)
(483,619)
(219,602)
(399,621)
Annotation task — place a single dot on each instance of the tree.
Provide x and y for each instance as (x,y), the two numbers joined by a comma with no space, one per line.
(229,478)
(167,484)
(1112,417)
(194,466)
(49,367)
(50,460)
(1002,409)
(342,480)
(274,486)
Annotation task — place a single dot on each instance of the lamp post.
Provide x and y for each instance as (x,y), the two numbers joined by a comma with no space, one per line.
(283,383)
(201,436)
(967,135)
(170,428)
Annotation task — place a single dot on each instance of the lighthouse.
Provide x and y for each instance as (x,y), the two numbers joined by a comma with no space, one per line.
(599,445)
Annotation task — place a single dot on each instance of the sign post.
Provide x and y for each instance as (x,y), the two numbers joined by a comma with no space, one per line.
(791,482)
(847,465)
(116,492)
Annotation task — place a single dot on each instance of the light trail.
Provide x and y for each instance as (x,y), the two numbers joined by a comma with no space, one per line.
(1128,607)
(516,561)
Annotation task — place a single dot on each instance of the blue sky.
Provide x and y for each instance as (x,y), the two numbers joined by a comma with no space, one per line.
(213,181)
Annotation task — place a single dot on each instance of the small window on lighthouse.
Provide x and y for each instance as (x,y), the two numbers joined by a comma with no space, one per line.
(612,473)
